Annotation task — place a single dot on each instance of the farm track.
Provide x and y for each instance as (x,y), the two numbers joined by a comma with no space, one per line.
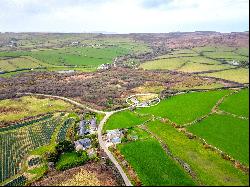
(99,131)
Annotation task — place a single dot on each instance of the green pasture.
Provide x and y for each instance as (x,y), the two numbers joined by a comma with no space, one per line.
(240,75)
(152,164)
(209,167)
(229,134)
(185,108)
(237,103)
(124,119)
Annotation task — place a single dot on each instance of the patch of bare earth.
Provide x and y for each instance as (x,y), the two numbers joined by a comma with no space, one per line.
(92,174)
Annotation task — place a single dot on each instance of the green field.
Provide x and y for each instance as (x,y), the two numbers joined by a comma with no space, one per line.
(237,103)
(185,108)
(204,59)
(124,119)
(199,67)
(87,56)
(209,167)
(225,55)
(27,106)
(227,133)
(169,64)
(240,75)
(152,164)
(19,63)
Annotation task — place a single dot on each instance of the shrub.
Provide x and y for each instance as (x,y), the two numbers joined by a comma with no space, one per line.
(52,156)
(64,146)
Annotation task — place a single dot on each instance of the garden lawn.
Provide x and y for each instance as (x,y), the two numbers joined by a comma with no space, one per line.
(186,108)
(209,167)
(237,103)
(152,164)
(229,134)
(124,119)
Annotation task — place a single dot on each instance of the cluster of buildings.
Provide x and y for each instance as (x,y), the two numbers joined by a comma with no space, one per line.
(113,137)
(137,103)
(85,127)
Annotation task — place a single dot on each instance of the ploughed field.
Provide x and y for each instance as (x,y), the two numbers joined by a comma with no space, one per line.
(182,124)
(229,63)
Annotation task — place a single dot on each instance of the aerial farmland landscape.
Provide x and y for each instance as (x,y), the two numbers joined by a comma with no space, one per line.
(146,93)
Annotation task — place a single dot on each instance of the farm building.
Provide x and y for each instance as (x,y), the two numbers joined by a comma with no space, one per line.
(114,136)
(93,126)
(83,128)
(82,144)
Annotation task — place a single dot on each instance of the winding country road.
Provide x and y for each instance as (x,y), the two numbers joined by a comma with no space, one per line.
(99,131)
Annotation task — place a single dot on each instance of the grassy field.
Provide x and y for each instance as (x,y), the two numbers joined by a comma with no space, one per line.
(185,108)
(88,55)
(237,103)
(169,64)
(199,67)
(152,164)
(124,119)
(240,75)
(225,55)
(209,167)
(206,86)
(203,59)
(227,133)
(18,63)
(27,106)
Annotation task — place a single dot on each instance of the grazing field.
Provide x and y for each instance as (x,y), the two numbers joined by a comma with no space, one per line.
(229,134)
(52,54)
(124,119)
(225,55)
(186,108)
(199,67)
(152,164)
(240,75)
(19,63)
(28,106)
(237,103)
(18,142)
(179,53)
(209,167)
(166,64)
(205,60)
